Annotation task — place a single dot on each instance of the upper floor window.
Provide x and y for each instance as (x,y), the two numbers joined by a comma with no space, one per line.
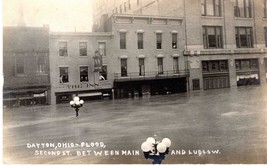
(211,7)
(265,8)
(125,7)
(102,48)
(63,74)
(174,40)
(137,2)
(124,67)
(159,40)
(122,40)
(41,64)
(212,37)
(140,40)
(84,74)
(83,48)
(103,73)
(129,4)
(265,36)
(120,9)
(160,65)
(20,64)
(242,8)
(63,49)
(243,37)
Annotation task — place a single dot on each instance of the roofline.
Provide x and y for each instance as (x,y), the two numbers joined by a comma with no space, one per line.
(81,34)
(146,16)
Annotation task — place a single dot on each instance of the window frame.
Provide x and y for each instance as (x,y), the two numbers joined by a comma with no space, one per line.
(204,8)
(218,37)
(246,8)
(105,47)
(249,37)
(159,38)
(62,77)
(84,66)
(44,64)
(65,53)
(140,41)
(22,55)
(175,42)
(81,48)
(124,74)
(123,37)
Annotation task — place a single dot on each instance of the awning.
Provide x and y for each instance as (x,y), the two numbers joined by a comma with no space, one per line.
(90,94)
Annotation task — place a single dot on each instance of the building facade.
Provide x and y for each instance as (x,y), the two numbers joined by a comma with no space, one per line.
(72,66)
(26,66)
(146,55)
(224,40)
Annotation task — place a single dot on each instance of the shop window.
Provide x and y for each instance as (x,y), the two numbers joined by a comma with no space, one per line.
(83,48)
(63,74)
(84,74)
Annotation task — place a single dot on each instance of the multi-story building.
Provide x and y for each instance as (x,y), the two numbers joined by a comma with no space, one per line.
(72,66)
(146,55)
(224,40)
(26,66)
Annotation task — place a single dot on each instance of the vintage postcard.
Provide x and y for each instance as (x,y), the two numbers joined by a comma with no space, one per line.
(134,82)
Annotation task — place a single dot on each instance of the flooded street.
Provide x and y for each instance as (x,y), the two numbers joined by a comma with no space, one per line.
(230,122)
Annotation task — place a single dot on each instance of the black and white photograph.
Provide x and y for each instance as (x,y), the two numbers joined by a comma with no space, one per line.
(134,81)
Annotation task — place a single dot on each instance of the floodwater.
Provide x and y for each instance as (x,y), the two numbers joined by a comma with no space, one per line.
(216,126)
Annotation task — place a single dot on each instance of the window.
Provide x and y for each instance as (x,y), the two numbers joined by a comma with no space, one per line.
(63,49)
(104,75)
(102,48)
(160,65)
(205,66)
(120,9)
(211,7)
(174,40)
(125,6)
(159,40)
(243,37)
(116,10)
(122,40)
(140,40)
(124,67)
(84,74)
(141,66)
(63,74)
(20,64)
(83,48)
(137,2)
(129,4)
(246,64)
(175,64)
(265,36)
(242,8)
(41,64)
(212,37)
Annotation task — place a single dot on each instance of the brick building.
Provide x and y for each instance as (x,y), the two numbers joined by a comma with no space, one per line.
(26,66)
(224,40)
(72,66)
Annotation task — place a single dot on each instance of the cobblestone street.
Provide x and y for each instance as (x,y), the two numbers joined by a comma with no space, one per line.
(232,122)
